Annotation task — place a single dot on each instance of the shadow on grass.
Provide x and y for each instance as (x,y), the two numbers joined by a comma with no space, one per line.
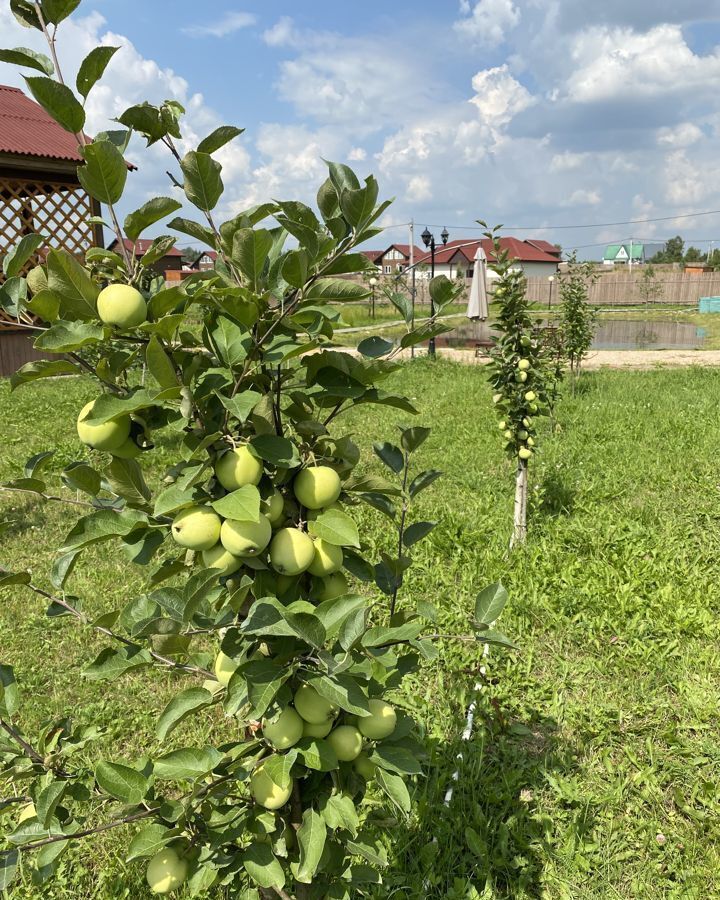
(555,497)
(21,515)
(489,840)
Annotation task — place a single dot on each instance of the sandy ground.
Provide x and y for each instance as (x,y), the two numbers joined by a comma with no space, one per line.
(611,359)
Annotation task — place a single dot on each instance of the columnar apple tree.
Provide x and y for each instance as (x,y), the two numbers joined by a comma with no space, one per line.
(578,320)
(518,376)
(248,543)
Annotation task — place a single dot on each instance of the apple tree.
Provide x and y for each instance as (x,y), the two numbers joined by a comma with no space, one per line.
(262,597)
(578,319)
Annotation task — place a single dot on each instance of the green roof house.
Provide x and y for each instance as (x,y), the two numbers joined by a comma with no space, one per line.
(635,250)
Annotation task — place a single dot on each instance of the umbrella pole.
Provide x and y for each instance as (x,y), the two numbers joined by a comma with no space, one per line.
(520,513)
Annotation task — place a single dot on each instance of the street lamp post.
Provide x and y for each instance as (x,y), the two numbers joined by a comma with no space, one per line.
(551,279)
(429,241)
(373,283)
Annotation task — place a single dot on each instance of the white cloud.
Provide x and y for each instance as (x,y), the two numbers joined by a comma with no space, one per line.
(488,21)
(684,183)
(418,189)
(682,135)
(227,24)
(282,34)
(499,96)
(357,154)
(567,161)
(619,63)
(583,197)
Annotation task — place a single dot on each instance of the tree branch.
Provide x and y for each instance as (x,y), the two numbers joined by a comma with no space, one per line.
(136,817)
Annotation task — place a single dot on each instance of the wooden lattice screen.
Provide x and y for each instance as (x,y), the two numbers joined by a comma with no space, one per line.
(59,210)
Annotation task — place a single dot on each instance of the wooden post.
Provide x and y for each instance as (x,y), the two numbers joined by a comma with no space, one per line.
(520,517)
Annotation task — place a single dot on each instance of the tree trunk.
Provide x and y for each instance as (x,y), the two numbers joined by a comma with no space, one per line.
(520,517)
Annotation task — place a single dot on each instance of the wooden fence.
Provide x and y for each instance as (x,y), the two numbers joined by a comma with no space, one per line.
(625,288)
(16,348)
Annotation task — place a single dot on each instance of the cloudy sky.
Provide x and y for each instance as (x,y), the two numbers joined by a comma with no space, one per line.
(524,112)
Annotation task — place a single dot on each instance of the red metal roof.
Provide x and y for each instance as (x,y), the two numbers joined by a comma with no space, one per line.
(524,251)
(141,246)
(373,255)
(27,130)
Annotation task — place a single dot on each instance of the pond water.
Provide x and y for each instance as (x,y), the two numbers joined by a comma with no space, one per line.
(618,334)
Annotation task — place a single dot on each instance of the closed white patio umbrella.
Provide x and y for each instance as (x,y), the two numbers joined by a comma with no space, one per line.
(477,302)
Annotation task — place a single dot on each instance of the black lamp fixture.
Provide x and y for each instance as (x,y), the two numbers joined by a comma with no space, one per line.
(429,240)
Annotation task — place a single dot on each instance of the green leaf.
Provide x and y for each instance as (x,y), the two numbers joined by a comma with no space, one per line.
(395,759)
(203,184)
(13,294)
(48,800)
(23,56)
(416,532)
(179,708)
(317,754)
(33,371)
(145,119)
(45,305)
(264,678)
(335,527)
(9,694)
(56,10)
(497,638)
(335,290)
(278,767)
(218,138)
(188,764)
(9,578)
(111,663)
(66,336)
(125,784)
(158,249)
(414,437)
(148,214)
(343,691)
(242,404)
(242,505)
(358,205)
(339,811)
(423,480)
(105,172)
(332,613)
(194,229)
(62,568)
(70,281)
(102,525)
(37,463)
(92,68)
(311,840)
(381,636)
(374,347)
(251,248)
(278,451)
(295,268)
(159,363)
(25,13)
(342,177)
(8,867)
(108,406)
(231,341)
(391,455)
(442,290)
(174,498)
(15,259)
(261,865)
(373,855)
(127,480)
(82,477)
(394,787)
(149,840)
(59,102)
(489,603)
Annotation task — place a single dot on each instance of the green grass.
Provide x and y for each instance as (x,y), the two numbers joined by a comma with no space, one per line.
(592,769)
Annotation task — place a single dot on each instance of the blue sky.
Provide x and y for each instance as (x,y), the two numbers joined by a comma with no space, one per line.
(526,112)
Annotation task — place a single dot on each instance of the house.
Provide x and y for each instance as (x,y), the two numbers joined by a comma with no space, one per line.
(393,260)
(167,265)
(636,252)
(456,259)
(203,262)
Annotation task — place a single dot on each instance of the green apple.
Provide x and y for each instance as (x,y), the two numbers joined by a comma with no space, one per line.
(217,557)
(284,730)
(317,731)
(530,396)
(166,871)
(527,422)
(108,436)
(365,767)
(291,551)
(317,487)
(497,398)
(28,812)
(522,435)
(312,707)
(274,508)
(524,453)
(530,442)
(346,741)
(238,467)
(521,377)
(197,528)
(508,435)
(533,407)
(525,341)
(328,559)
(502,425)
(266,792)
(331,587)
(380,723)
(121,305)
(246,538)
(128,450)
(224,668)
(523,365)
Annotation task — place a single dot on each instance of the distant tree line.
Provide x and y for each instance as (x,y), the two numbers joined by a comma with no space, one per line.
(675,252)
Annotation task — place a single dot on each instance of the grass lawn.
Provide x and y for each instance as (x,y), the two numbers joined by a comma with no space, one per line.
(593,767)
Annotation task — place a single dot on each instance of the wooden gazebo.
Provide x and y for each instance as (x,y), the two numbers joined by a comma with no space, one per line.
(39,192)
